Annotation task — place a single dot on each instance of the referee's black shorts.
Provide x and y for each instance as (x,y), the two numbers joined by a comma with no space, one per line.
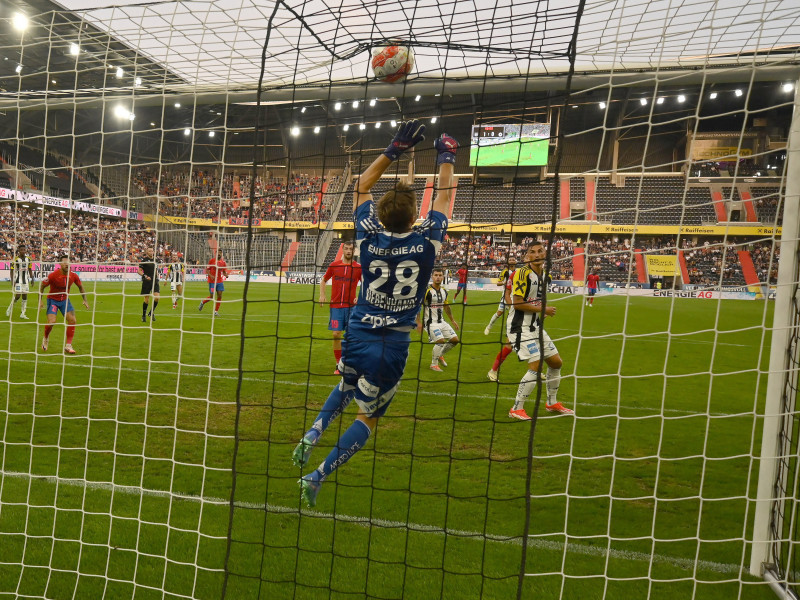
(149,288)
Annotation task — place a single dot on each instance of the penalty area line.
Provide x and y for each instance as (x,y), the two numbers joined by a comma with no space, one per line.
(414,392)
(534,542)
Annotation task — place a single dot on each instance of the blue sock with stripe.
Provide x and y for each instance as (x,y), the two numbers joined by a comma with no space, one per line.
(352,440)
(334,406)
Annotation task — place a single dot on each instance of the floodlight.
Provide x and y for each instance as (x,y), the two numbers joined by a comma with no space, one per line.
(19,21)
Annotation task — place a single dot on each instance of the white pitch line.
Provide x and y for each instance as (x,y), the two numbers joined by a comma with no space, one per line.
(572,547)
(320,317)
(415,392)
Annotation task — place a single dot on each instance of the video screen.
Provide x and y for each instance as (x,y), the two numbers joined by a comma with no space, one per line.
(509,145)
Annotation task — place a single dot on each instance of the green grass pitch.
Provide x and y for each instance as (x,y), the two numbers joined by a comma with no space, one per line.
(116,462)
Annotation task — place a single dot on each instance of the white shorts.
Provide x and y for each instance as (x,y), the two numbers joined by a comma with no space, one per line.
(439,331)
(174,285)
(21,288)
(526,345)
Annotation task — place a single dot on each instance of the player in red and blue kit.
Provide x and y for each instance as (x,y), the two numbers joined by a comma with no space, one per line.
(397,260)
(592,283)
(346,274)
(463,274)
(217,273)
(59,282)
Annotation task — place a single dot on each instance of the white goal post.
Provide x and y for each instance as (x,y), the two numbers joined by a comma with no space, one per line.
(778,458)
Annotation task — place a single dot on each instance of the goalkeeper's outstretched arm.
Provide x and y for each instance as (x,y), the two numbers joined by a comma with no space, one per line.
(446,146)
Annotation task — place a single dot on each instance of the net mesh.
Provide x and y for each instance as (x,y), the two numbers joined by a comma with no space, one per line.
(157,460)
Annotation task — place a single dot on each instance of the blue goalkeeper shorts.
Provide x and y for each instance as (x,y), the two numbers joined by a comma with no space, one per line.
(374,367)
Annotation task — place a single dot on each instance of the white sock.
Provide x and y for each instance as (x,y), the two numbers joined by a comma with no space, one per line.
(553,381)
(492,321)
(10,306)
(438,350)
(526,386)
(174,297)
(24,306)
(447,347)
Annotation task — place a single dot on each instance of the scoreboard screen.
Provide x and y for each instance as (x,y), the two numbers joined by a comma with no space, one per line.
(509,145)
(488,131)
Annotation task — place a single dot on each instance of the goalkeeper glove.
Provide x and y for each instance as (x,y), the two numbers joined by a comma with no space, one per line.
(408,135)
(446,146)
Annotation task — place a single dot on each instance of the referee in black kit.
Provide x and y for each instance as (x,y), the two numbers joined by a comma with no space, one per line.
(147,271)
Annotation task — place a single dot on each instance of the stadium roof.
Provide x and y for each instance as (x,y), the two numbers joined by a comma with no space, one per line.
(219,43)
(215,46)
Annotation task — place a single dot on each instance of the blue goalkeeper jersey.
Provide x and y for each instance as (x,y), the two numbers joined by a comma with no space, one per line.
(396,268)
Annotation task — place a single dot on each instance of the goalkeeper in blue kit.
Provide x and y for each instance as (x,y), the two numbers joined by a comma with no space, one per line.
(397,258)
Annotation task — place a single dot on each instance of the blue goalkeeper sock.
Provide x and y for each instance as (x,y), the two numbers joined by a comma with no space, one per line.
(352,440)
(334,406)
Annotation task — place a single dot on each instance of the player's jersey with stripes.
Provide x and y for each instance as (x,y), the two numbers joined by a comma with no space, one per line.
(20,270)
(395,268)
(530,286)
(503,279)
(508,288)
(433,306)
(175,272)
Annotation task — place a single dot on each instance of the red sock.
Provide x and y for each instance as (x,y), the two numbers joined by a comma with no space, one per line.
(47,330)
(70,333)
(591,300)
(337,354)
(206,299)
(501,356)
(216,306)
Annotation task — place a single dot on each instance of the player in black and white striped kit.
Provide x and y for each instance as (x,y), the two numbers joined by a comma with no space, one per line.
(21,278)
(523,327)
(432,317)
(176,275)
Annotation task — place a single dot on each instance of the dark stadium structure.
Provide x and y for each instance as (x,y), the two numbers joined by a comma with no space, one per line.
(106,152)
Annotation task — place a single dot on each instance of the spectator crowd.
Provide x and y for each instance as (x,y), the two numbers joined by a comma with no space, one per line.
(87,237)
(710,262)
(202,194)
(765,260)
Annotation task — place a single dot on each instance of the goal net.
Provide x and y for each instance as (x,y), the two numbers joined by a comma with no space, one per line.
(189,170)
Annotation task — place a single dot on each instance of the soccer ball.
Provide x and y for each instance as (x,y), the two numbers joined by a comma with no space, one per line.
(392,63)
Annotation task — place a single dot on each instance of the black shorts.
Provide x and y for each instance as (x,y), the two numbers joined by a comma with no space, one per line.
(149,288)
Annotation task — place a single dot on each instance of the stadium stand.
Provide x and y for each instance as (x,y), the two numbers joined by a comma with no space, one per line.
(654,201)
(203,194)
(767,203)
(613,258)
(489,201)
(86,236)
(765,260)
(267,249)
(577,189)
(46,172)
(731,193)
